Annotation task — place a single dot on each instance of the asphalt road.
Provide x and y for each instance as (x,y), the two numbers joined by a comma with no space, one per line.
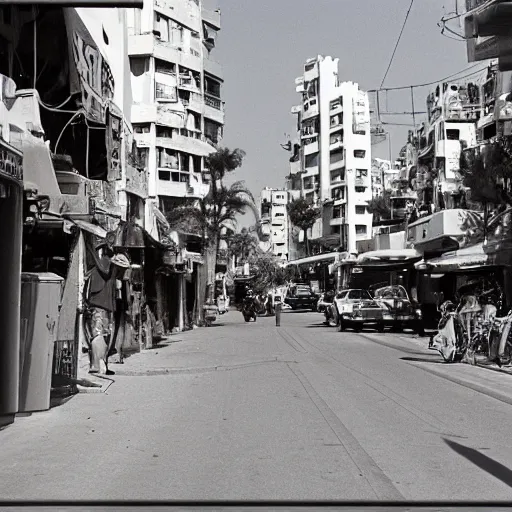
(250,411)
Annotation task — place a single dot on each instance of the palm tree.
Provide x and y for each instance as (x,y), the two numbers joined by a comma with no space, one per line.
(303,215)
(242,245)
(218,209)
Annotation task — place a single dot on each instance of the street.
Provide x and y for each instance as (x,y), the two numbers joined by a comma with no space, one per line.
(254,411)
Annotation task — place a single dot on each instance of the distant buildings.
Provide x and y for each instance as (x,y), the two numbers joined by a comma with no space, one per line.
(331,164)
(274,222)
(178,111)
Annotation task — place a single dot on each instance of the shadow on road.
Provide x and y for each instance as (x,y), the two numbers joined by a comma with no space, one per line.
(314,326)
(422,359)
(494,468)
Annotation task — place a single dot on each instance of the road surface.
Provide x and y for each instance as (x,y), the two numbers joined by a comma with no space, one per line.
(250,411)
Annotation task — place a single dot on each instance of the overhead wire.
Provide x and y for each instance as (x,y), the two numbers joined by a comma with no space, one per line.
(397,43)
(433,82)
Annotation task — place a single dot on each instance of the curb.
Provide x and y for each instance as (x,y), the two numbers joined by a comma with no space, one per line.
(203,369)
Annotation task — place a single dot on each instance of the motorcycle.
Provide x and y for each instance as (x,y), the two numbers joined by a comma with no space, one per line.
(249,309)
(447,339)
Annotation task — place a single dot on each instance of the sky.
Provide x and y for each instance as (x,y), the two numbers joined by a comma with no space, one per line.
(263,45)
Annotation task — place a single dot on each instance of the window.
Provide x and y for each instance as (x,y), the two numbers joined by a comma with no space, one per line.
(164,131)
(335,120)
(164,175)
(337,175)
(360,229)
(359,295)
(311,160)
(336,103)
(360,189)
(141,128)
(165,92)
(337,156)
(166,158)
(342,294)
(336,137)
(453,134)
(360,210)
(165,67)
(338,193)
(361,173)
(359,153)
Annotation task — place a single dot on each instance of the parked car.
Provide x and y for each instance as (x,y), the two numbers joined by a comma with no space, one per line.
(325,301)
(301,296)
(399,310)
(356,308)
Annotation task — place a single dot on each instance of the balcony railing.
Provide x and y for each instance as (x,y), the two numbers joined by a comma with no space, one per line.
(212,101)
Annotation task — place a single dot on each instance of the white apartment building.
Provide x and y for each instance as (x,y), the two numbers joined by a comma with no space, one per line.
(335,152)
(177,112)
(275,222)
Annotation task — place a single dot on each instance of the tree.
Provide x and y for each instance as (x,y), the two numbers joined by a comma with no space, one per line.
(303,215)
(487,174)
(267,271)
(219,208)
(242,245)
(380,206)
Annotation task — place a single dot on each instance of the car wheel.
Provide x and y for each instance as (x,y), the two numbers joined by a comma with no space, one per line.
(397,327)
(358,328)
(340,324)
(381,327)
(420,329)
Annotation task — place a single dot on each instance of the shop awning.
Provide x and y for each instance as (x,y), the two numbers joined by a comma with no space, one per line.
(468,258)
(91,228)
(332,256)
(388,256)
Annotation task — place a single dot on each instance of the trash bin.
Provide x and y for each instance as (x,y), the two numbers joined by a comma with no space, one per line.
(40,301)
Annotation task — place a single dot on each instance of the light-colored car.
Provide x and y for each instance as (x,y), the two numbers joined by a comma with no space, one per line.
(399,310)
(356,308)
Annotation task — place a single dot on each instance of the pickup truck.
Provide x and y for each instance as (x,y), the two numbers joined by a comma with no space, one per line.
(301,296)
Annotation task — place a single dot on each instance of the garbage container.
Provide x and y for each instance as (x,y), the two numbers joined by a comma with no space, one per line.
(40,301)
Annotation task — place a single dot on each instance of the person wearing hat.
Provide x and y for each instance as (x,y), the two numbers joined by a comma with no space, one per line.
(101,303)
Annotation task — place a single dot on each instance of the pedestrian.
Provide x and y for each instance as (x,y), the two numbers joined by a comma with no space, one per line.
(100,299)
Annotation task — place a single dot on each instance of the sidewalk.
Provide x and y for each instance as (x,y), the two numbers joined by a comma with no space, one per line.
(200,350)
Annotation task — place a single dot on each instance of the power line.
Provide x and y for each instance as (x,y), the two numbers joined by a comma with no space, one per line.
(397,43)
(414,86)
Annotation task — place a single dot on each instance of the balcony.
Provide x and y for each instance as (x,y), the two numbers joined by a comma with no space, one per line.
(187,83)
(171,115)
(337,221)
(213,108)
(142,44)
(311,146)
(174,183)
(186,13)
(442,231)
(143,140)
(143,113)
(194,103)
(171,53)
(337,164)
(311,72)
(310,109)
(337,144)
(211,17)
(189,145)
(212,68)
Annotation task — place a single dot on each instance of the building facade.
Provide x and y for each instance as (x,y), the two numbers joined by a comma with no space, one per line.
(275,222)
(177,112)
(334,154)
